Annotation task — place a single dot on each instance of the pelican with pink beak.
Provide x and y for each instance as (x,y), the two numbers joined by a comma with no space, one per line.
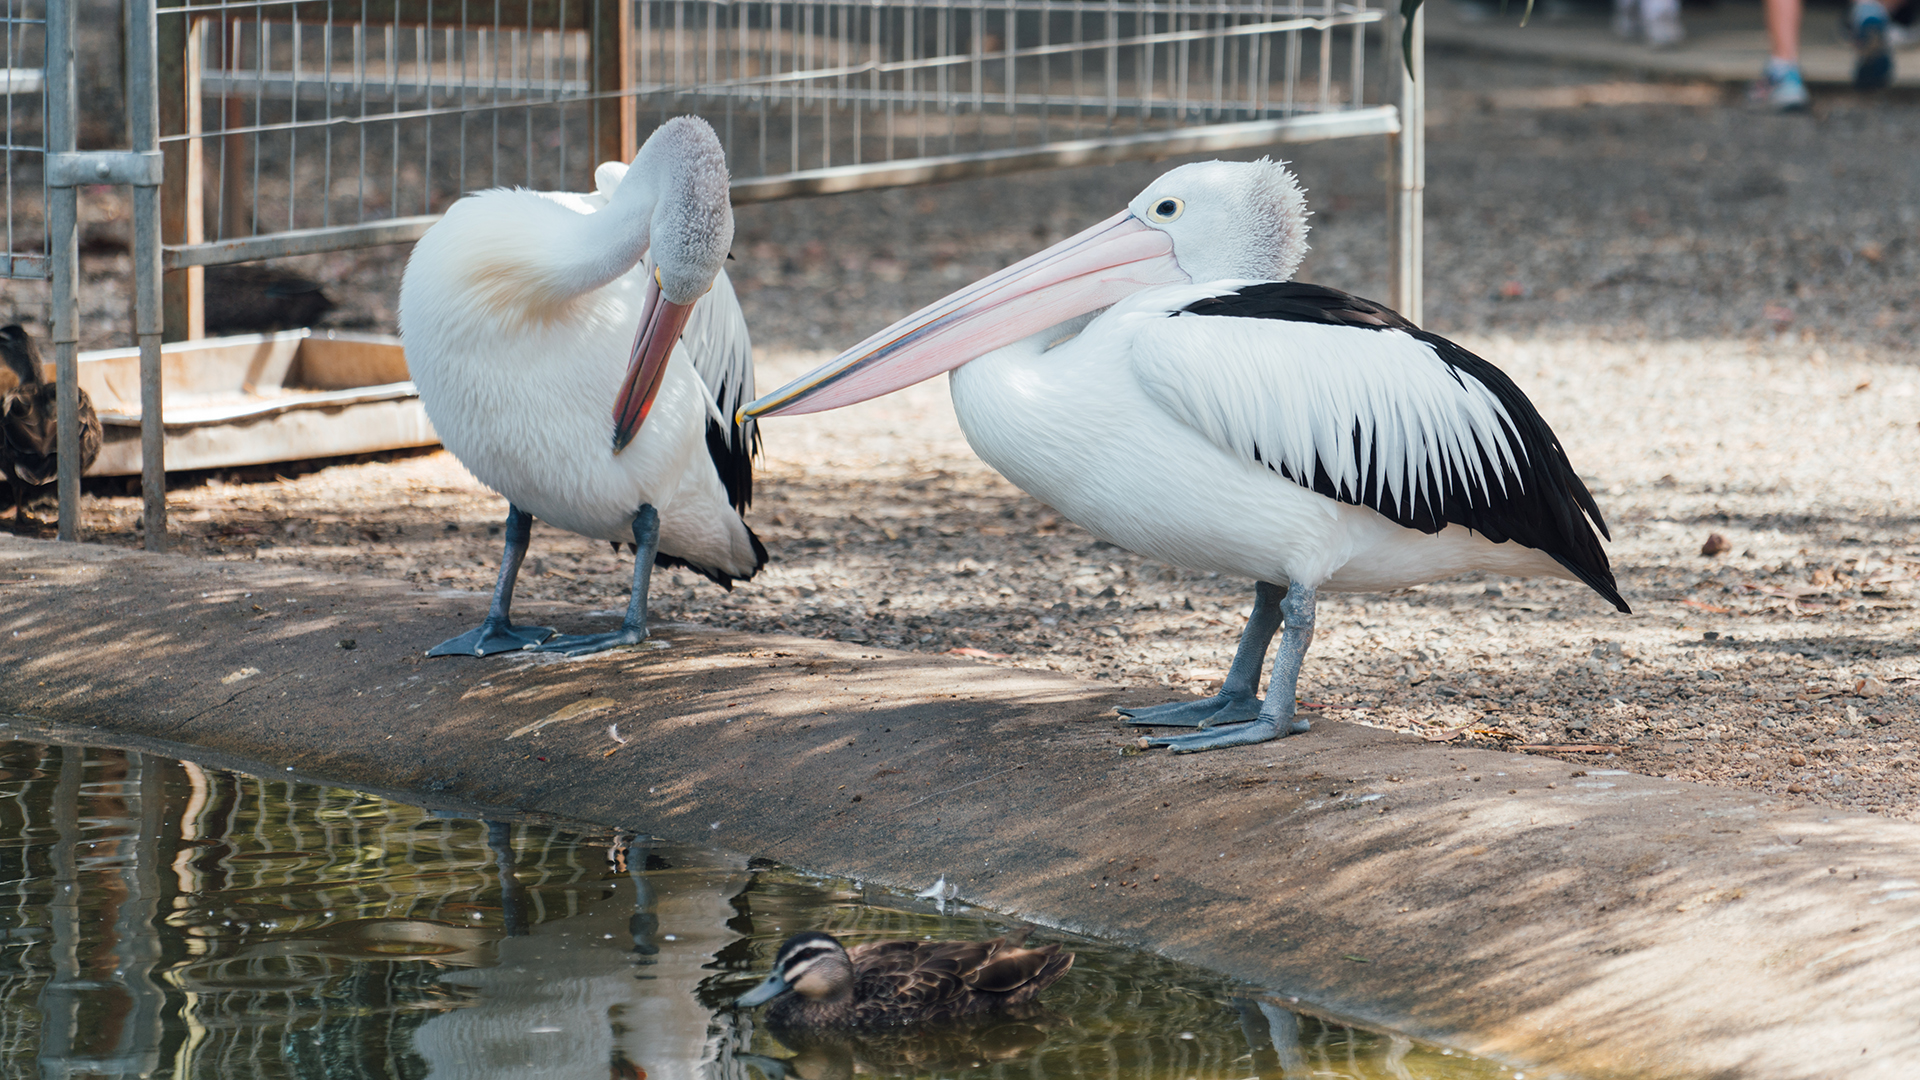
(1222,418)
(584,356)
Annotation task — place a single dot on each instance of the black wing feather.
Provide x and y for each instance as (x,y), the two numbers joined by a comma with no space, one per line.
(1542,505)
(733,453)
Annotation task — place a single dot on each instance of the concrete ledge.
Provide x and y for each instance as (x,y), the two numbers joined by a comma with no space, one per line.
(1603,925)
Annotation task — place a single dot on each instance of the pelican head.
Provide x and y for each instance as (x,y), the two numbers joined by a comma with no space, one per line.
(1208,221)
(680,178)
(1228,219)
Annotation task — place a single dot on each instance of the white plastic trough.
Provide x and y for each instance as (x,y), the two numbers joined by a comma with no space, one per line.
(259,398)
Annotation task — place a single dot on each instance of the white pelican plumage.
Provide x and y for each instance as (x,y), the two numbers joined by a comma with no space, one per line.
(519,310)
(1222,418)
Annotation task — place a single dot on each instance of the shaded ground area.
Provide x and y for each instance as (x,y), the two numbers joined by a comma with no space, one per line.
(1713,306)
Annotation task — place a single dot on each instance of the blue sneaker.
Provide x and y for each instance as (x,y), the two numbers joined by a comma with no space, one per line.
(1873,59)
(1780,87)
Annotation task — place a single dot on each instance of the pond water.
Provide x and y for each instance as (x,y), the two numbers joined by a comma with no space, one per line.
(161,918)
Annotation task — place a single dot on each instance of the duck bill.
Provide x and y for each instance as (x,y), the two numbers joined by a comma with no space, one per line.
(1085,272)
(661,321)
(772,988)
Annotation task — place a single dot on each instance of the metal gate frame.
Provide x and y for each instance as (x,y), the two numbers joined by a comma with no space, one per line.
(67,169)
(165,176)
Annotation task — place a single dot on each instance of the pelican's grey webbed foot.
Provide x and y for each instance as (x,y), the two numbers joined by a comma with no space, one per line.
(1277,717)
(1247,734)
(1221,708)
(490,638)
(633,631)
(1237,700)
(498,634)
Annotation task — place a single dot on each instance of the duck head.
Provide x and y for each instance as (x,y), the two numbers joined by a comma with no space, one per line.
(811,964)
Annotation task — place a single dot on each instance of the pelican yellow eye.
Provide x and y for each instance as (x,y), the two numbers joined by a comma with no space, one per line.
(1166,210)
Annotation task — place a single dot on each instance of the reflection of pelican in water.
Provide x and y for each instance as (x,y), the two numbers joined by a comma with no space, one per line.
(1281,1029)
(1273,1034)
(609,991)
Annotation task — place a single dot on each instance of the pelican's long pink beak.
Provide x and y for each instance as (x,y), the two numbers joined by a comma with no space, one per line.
(661,321)
(1085,272)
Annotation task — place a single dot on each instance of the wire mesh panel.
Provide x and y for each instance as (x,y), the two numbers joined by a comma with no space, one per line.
(326,117)
(22,86)
(821,97)
(312,125)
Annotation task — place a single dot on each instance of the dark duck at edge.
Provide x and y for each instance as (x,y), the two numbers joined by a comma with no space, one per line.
(817,984)
(29,424)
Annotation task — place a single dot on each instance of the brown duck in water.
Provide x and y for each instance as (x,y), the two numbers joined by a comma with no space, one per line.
(29,425)
(817,984)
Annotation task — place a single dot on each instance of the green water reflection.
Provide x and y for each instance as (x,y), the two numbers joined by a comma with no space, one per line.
(158,918)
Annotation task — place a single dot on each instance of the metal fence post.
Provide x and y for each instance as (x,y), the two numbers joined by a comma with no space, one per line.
(143,123)
(1409,172)
(63,263)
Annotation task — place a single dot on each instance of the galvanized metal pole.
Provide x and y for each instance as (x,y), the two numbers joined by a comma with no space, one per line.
(1409,171)
(64,261)
(143,121)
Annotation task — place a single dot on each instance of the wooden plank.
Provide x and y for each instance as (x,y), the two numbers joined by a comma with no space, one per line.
(294,435)
(236,212)
(616,121)
(183,292)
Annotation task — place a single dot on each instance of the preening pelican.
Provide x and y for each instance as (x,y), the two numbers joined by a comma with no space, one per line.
(520,309)
(1222,418)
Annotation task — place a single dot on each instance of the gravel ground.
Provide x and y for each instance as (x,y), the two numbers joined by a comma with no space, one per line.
(1713,306)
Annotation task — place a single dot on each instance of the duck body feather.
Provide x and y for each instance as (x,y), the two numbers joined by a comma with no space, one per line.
(884,984)
(29,420)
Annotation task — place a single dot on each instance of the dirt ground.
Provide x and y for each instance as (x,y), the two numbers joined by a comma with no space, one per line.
(1712,305)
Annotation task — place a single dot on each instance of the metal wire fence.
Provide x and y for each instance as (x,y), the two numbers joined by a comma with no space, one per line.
(800,88)
(22,88)
(333,123)
(338,124)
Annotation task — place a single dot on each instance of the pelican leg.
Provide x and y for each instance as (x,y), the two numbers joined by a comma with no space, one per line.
(1238,699)
(498,634)
(1276,717)
(633,631)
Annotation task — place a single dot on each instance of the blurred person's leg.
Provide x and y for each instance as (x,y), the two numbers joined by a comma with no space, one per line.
(1663,23)
(1873,54)
(1780,83)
